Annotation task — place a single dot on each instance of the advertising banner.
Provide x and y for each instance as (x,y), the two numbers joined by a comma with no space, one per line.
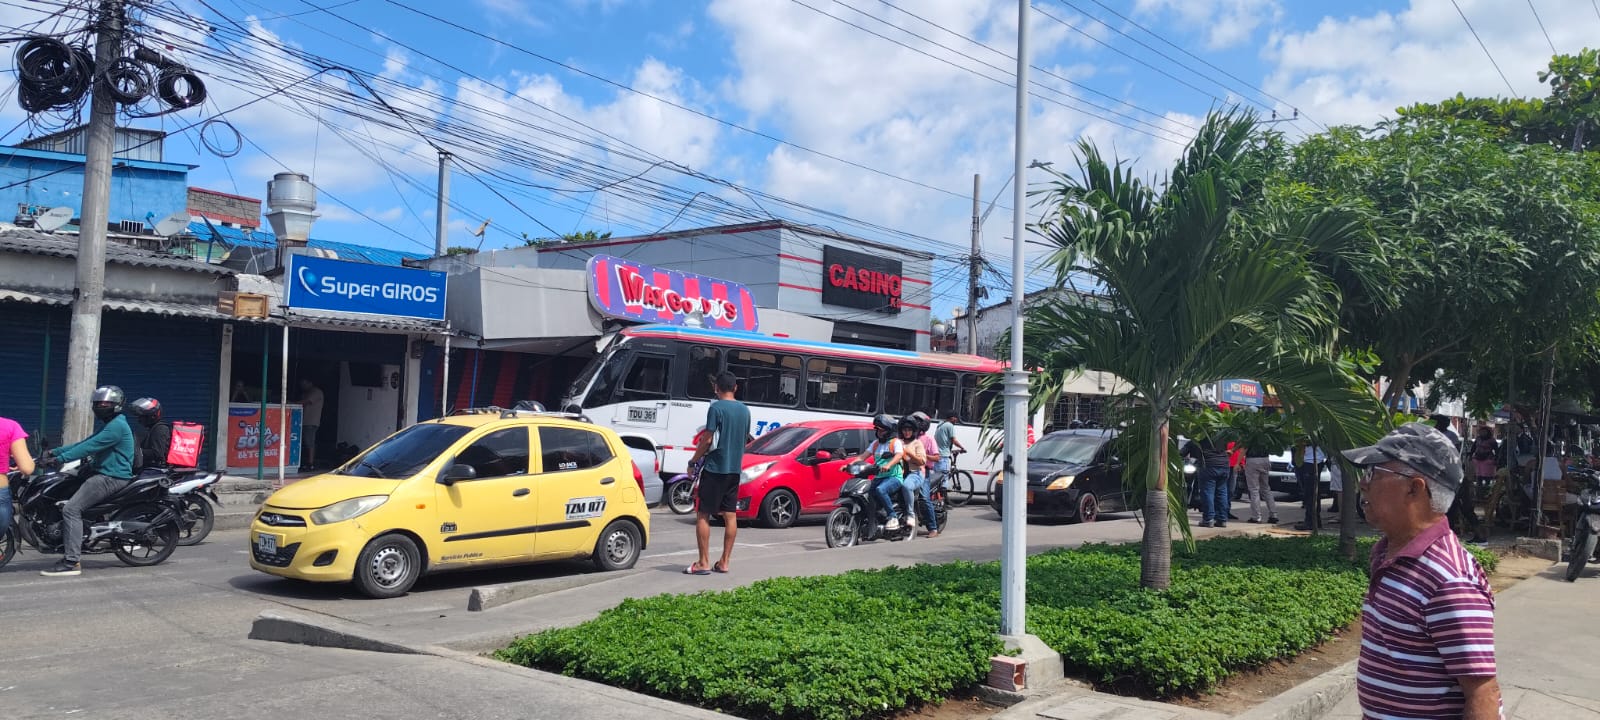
(245,441)
(858,280)
(1241,392)
(315,283)
(635,291)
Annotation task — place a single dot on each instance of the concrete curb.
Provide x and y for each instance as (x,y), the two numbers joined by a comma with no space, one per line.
(485,597)
(295,628)
(1309,700)
(233,520)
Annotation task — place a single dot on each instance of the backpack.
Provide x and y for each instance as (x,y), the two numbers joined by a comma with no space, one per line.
(187,439)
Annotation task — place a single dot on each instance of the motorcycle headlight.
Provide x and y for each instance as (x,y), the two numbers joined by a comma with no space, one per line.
(753,472)
(348,509)
(1061,483)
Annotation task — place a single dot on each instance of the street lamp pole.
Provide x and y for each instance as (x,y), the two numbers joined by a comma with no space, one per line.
(1013,528)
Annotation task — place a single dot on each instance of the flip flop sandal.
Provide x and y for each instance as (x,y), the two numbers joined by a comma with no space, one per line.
(696,570)
(719,569)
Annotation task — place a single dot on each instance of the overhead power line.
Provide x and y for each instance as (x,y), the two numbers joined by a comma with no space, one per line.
(1537,19)
(1486,52)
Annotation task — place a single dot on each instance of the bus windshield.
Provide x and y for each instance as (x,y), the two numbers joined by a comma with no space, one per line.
(575,393)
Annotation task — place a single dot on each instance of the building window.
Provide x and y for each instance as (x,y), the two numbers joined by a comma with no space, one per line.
(704,363)
(765,378)
(842,386)
(647,378)
(912,389)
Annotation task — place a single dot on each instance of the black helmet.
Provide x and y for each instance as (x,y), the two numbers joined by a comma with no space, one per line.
(908,422)
(106,402)
(147,409)
(922,420)
(884,422)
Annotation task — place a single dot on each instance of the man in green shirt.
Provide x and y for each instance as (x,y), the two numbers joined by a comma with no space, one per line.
(108,457)
(722,446)
(945,437)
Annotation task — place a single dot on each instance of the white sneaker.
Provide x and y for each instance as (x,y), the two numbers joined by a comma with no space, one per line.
(911,522)
(893,524)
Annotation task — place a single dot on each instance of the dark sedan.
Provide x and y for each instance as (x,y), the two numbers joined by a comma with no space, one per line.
(1072,474)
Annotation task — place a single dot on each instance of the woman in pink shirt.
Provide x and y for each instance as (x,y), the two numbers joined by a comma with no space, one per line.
(13,448)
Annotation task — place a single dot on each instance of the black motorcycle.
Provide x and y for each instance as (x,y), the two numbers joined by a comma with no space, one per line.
(858,518)
(139,523)
(1586,526)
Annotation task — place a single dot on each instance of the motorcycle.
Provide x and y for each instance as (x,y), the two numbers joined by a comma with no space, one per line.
(1586,526)
(858,519)
(197,501)
(139,523)
(679,491)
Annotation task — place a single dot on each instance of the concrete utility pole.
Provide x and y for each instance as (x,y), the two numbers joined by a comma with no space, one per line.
(1013,527)
(972,273)
(83,352)
(442,233)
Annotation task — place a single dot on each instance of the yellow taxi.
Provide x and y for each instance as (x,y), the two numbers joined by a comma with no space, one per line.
(483,487)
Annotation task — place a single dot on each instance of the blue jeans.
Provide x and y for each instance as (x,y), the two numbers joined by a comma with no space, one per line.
(1214,489)
(5,510)
(915,486)
(881,488)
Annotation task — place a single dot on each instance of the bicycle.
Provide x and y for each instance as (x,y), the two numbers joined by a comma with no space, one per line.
(959,485)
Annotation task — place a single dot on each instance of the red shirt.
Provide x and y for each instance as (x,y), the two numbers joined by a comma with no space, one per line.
(1428,619)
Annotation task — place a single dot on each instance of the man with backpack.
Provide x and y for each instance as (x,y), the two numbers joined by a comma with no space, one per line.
(155,440)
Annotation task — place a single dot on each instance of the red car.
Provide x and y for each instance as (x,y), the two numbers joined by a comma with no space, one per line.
(798,469)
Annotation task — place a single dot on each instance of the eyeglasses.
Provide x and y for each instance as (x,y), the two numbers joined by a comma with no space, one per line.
(1366,478)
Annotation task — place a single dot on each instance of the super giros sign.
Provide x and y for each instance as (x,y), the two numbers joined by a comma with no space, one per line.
(858,280)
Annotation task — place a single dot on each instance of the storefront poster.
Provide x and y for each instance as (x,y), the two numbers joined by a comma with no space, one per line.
(1241,392)
(316,283)
(643,293)
(858,280)
(245,439)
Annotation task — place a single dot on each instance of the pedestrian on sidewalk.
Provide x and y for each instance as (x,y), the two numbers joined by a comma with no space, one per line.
(13,451)
(1257,483)
(1427,625)
(722,446)
(1308,471)
(311,401)
(1211,462)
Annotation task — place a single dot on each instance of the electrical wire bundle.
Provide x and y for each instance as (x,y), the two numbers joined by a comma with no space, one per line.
(52,75)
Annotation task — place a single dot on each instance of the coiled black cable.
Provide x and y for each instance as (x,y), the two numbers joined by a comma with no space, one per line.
(126,81)
(180,88)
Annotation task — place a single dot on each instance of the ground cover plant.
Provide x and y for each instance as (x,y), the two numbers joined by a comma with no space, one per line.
(867,643)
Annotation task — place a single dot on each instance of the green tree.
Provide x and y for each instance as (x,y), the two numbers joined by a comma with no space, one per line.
(459,250)
(1193,295)
(575,237)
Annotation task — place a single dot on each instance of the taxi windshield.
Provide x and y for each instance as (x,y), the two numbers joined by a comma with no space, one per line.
(405,452)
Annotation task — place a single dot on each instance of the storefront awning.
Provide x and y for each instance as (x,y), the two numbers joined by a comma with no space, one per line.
(362,323)
(150,307)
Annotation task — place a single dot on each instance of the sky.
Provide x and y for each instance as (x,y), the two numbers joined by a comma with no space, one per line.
(865,116)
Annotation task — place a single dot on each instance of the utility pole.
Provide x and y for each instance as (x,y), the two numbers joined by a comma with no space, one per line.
(1014,522)
(83,352)
(441,233)
(972,273)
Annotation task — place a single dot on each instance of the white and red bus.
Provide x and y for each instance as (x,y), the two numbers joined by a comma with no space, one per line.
(654,381)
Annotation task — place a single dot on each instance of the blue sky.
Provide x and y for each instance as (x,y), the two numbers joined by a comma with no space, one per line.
(907,118)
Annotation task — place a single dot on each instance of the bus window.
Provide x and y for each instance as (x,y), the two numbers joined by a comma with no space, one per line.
(647,378)
(704,362)
(765,378)
(842,386)
(911,389)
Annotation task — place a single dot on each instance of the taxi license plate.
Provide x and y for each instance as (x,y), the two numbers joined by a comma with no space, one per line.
(267,544)
(1030,497)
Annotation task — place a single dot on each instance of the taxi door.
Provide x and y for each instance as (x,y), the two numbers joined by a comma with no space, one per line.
(579,483)
(490,516)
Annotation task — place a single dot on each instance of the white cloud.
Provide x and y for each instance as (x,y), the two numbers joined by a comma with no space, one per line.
(519,11)
(1225,23)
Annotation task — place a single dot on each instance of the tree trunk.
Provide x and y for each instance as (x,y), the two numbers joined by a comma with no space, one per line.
(1397,385)
(1347,511)
(1155,555)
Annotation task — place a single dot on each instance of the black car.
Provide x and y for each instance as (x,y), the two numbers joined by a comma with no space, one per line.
(1073,474)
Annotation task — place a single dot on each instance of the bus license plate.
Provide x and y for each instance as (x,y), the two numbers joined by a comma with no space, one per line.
(267,544)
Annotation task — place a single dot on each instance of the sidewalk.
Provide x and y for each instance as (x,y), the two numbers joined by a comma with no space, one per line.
(1545,634)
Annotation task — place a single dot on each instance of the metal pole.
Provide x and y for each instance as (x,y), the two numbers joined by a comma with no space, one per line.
(444,381)
(261,413)
(83,352)
(442,231)
(972,272)
(283,402)
(1013,528)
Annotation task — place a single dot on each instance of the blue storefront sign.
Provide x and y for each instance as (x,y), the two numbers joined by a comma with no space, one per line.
(342,286)
(1241,392)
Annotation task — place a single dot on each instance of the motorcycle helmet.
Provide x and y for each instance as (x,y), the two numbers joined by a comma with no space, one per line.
(106,401)
(147,410)
(922,420)
(884,424)
(908,422)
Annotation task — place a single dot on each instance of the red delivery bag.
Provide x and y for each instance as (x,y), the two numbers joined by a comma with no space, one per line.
(187,439)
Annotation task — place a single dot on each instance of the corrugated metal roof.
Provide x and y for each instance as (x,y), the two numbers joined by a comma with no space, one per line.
(150,307)
(345,251)
(299,319)
(32,242)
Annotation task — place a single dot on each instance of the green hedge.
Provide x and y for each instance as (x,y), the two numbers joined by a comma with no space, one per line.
(867,643)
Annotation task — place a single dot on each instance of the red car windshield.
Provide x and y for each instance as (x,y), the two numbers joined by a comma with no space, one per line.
(781,441)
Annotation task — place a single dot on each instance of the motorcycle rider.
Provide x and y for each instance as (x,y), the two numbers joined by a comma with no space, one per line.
(109,456)
(915,482)
(155,440)
(887,454)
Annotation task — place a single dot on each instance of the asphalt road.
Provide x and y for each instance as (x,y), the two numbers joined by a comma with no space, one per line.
(171,640)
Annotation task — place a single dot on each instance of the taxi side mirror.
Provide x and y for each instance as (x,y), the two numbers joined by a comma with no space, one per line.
(458,471)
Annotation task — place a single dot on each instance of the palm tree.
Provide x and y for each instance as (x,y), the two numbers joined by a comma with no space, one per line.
(1199,280)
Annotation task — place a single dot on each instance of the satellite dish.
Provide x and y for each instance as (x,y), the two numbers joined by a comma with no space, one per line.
(53,219)
(173,224)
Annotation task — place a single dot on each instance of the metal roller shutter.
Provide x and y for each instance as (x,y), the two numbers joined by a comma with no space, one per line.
(33,362)
(172,359)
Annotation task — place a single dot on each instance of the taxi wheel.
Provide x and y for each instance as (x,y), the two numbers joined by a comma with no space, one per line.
(388,566)
(618,547)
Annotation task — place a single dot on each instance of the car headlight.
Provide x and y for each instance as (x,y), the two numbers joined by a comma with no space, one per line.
(348,509)
(1061,483)
(753,472)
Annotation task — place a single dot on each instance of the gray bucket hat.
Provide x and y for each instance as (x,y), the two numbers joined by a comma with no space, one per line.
(1421,446)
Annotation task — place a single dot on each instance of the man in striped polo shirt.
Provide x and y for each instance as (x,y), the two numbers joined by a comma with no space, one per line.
(1427,625)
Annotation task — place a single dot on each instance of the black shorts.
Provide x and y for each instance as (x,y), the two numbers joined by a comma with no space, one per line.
(719,492)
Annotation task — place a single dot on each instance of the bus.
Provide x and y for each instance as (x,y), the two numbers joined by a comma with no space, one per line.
(654,382)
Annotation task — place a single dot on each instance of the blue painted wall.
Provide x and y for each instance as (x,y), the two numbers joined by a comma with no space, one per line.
(51,179)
